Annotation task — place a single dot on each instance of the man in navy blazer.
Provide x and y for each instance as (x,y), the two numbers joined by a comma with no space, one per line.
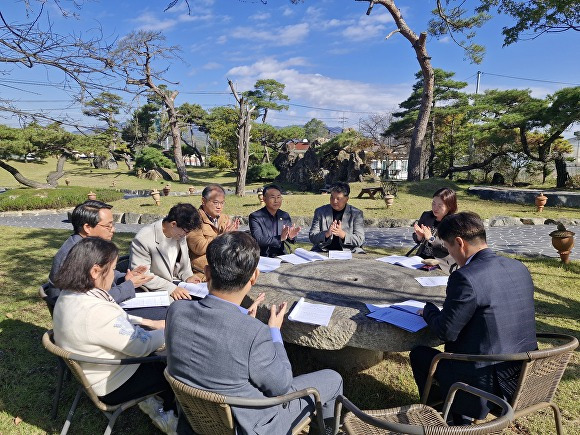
(271,227)
(488,309)
(337,226)
(215,344)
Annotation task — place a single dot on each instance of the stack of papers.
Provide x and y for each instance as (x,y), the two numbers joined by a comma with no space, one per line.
(147,299)
(196,290)
(432,281)
(301,256)
(267,264)
(404,315)
(339,255)
(400,260)
(313,314)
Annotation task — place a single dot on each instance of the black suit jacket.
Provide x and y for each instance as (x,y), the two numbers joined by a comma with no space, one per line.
(488,309)
(268,236)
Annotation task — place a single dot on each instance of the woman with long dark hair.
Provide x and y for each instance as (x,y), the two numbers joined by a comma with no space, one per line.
(444,203)
(87,321)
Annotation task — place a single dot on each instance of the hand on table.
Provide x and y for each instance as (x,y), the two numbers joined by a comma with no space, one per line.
(180,293)
(194,279)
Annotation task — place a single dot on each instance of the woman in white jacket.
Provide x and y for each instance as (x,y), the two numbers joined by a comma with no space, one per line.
(89,322)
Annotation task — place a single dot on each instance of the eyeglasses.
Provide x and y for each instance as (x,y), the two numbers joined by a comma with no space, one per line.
(109,226)
(217,203)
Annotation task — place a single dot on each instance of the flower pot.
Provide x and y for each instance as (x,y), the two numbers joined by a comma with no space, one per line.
(67,181)
(191,190)
(540,202)
(563,241)
(166,190)
(260,192)
(389,200)
(92,195)
(156,196)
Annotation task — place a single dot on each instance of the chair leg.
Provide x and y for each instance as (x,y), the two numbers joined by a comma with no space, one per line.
(71,412)
(558,418)
(59,382)
(112,418)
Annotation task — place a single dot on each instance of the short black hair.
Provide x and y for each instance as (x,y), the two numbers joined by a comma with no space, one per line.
(467,225)
(207,190)
(87,213)
(75,272)
(232,259)
(271,187)
(185,216)
(340,187)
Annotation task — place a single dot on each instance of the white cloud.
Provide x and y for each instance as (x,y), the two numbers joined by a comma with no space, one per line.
(150,21)
(287,11)
(321,91)
(287,35)
(212,65)
(444,39)
(368,27)
(260,16)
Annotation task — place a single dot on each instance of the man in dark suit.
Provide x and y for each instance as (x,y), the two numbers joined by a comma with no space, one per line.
(489,309)
(217,345)
(337,226)
(271,227)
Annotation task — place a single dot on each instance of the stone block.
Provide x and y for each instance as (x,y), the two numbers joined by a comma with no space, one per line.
(149,218)
(532,221)
(117,217)
(370,222)
(131,218)
(504,221)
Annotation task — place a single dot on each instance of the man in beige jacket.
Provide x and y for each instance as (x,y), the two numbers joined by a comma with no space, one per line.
(213,223)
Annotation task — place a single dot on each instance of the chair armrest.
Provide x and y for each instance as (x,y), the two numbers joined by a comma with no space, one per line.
(117,362)
(272,401)
(507,414)
(393,427)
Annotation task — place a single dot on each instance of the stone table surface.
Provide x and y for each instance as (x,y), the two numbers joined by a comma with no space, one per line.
(348,284)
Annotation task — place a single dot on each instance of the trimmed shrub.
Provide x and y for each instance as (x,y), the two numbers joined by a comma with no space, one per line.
(151,158)
(263,172)
(219,160)
(62,197)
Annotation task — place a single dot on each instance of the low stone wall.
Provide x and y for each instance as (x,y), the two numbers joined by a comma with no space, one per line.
(526,196)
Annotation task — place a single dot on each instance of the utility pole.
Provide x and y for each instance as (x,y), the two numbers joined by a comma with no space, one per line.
(471,144)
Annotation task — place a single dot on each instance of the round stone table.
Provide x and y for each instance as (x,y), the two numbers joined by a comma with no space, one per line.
(349,285)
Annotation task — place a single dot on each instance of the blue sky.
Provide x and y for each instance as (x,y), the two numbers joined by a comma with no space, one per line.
(333,59)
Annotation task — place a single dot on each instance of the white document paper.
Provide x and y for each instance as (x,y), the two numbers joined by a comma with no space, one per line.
(293,259)
(372,307)
(313,314)
(432,281)
(147,299)
(267,264)
(302,256)
(401,318)
(197,290)
(339,255)
(400,260)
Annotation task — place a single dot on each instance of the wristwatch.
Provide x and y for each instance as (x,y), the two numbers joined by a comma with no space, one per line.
(431,239)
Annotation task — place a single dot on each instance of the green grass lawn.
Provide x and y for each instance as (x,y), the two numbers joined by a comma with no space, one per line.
(412,199)
(28,376)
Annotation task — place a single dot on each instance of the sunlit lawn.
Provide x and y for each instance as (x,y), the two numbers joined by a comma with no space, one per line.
(27,371)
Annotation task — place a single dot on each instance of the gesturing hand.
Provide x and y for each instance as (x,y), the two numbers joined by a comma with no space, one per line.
(232,225)
(277,315)
(285,232)
(419,231)
(137,276)
(293,232)
(254,307)
(426,232)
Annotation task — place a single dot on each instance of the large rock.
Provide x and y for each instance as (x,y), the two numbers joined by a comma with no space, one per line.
(131,218)
(504,221)
(532,221)
(149,218)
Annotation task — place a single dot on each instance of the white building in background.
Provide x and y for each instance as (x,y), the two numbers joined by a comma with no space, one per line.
(395,168)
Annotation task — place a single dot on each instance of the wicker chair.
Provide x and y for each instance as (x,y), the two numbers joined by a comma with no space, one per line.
(418,419)
(540,375)
(72,361)
(210,413)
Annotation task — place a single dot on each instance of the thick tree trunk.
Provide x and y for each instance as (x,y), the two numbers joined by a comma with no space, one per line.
(53,177)
(176,137)
(243,154)
(562,175)
(416,165)
(431,149)
(22,179)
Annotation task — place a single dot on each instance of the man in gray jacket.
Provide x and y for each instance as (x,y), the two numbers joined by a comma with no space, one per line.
(337,226)
(216,345)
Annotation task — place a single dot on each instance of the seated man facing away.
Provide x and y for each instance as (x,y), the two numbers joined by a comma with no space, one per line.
(213,223)
(95,219)
(162,247)
(214,344)
(270,226)
(488,309)
(337,226)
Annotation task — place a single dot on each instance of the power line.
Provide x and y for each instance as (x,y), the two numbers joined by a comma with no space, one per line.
(531,80)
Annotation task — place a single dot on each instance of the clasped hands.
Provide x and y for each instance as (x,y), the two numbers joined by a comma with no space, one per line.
(422,232)
(232,225)
(276,312)
(289,232)
(335,230)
